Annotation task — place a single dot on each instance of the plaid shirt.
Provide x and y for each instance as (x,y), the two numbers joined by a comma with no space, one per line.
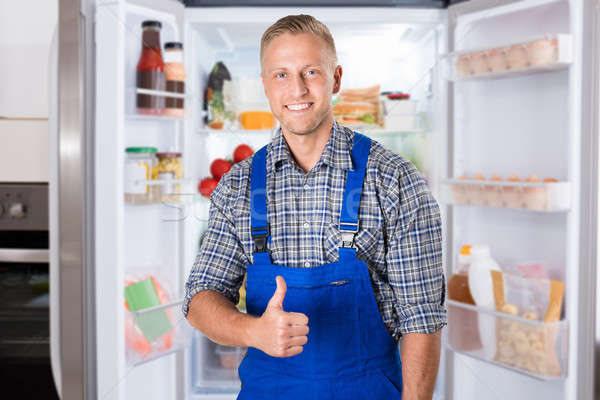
(400,234)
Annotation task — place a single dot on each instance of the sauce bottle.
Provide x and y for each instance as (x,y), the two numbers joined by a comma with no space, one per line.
(463,328)
(150,70)
(175,75)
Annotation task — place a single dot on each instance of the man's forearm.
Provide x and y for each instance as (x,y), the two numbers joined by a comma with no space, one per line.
(420,361)
(217,317)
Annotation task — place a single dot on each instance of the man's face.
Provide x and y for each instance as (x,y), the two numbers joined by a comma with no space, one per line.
(299,77)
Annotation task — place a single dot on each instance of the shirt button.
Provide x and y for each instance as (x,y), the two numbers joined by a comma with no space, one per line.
(306,225)
(307,187)
(307,264)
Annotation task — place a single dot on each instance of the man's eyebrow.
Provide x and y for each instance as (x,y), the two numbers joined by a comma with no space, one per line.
(285,68)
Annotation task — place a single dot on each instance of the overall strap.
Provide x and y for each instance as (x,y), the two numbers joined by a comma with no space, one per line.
(352,194)
(258,207)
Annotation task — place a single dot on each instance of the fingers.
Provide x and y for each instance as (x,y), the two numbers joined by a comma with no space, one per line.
(292,351)
(298,330)
(295,318)
(297,341)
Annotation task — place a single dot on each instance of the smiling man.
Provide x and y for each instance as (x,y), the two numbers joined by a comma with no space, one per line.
(341,242)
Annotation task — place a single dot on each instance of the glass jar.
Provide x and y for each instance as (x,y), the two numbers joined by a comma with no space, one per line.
(175,75)
(150,72)
(140,164)
(169,169)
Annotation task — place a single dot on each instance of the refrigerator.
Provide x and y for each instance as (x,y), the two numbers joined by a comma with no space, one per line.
(539,118)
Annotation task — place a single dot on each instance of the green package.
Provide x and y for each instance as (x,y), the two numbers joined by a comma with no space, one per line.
(140,296)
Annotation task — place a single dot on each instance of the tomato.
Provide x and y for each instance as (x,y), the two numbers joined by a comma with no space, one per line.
(242,152)
(206,186)
(219,167)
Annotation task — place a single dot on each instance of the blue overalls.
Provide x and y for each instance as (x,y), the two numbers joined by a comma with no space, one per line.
(349,354)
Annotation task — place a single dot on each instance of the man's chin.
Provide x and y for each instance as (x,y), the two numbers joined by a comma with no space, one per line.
(299,129)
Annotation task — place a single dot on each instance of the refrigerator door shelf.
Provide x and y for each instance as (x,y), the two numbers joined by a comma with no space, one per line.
(215,366)
(155,332)
(131,113)
(534,348)
(169,191)
(552,52)
(531,196)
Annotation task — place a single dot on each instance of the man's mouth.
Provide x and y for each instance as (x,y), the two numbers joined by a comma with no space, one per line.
(299,106)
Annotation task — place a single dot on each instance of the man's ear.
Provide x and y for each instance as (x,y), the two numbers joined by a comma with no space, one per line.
(337,79)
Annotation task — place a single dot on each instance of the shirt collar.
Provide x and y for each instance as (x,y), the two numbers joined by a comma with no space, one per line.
(337,151)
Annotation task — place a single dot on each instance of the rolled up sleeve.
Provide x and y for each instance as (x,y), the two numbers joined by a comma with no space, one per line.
(414,257)
(221,262)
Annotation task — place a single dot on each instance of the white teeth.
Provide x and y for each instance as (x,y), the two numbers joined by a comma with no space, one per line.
(297,107)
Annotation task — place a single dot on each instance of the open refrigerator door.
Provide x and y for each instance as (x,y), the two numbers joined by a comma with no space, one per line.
(142,195)
(513,183)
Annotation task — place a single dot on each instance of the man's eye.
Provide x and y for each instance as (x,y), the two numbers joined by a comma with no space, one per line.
(280,75)
(312,72)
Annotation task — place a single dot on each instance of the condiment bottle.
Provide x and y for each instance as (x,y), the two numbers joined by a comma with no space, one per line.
(482,290)
(458,285)
(175,75)
(150,70)
(463,328)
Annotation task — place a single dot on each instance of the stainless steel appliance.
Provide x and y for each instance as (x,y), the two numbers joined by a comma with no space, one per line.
(24,291)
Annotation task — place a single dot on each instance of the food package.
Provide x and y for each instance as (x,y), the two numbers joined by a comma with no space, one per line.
(151,332)
(358,107)
(530,346)
(257,120)
(214,97)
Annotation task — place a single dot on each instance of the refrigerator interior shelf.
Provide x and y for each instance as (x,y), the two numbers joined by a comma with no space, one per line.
(540,54)
(155,332)
(258,132)
(393,132)
(536,196)
(534,348)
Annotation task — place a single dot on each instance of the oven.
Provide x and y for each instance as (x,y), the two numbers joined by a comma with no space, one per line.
(24,291)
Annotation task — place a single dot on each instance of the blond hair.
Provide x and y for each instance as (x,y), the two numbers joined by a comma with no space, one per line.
(297,24)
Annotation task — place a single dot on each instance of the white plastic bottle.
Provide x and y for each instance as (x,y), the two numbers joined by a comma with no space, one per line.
(482,291)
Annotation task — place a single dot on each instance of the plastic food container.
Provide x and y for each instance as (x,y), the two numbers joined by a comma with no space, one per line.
(257,120)
(230,357)
(140,165)
(169,169)
(528,346)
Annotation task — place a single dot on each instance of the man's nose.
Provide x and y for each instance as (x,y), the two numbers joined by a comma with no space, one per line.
(299,87)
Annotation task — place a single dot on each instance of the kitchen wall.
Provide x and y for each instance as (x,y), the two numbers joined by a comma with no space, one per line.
(26,32)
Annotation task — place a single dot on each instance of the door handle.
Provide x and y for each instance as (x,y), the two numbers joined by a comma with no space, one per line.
(25,255)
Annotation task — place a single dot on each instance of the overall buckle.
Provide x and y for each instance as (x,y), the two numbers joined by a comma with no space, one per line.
(260,239)
(348,234)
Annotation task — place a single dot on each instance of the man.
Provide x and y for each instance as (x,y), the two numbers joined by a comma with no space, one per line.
(341,242)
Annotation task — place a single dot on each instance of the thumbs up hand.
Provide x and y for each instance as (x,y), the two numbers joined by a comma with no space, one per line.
(280,333)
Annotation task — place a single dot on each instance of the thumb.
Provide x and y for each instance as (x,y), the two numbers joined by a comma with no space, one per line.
(276,301)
